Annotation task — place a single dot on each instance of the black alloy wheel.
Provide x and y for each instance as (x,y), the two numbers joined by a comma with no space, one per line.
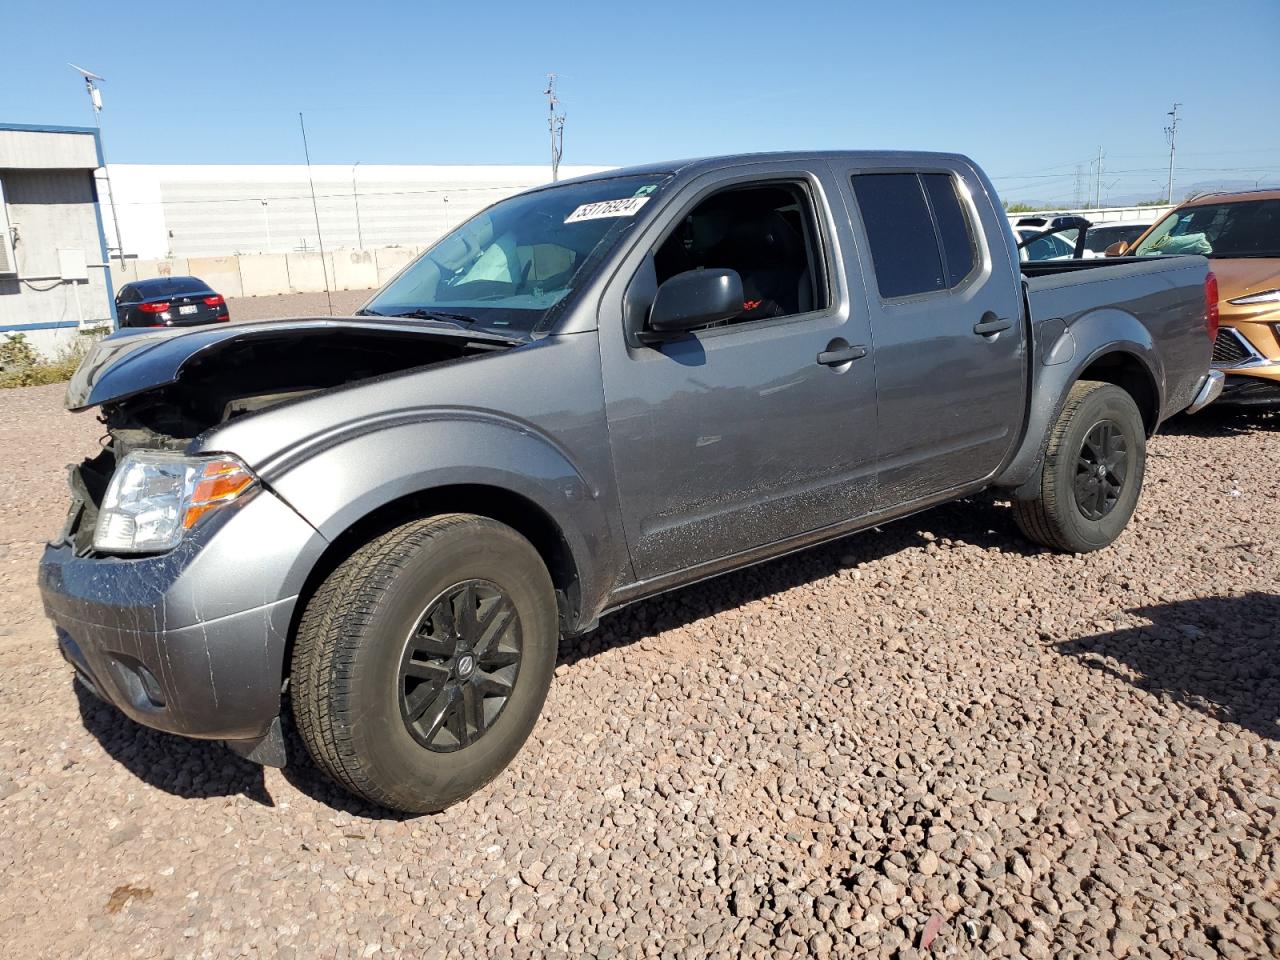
(459,665)
(1101,468)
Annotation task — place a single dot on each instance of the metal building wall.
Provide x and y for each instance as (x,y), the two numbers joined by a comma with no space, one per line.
(52,210)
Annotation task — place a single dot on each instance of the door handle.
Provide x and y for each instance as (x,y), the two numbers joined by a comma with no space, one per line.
(833,358)
(985,328)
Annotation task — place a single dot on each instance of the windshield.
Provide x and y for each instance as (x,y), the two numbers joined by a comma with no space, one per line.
(510,267)
(1243,228)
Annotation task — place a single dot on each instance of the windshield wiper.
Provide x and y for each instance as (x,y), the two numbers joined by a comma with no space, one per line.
(423,314)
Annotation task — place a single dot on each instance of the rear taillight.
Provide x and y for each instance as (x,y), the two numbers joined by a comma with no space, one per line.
(214,301)
(153,307)
(1211,305)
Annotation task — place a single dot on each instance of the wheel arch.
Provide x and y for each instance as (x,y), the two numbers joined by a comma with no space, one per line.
(506,506)
(1126,364)
(1128,371)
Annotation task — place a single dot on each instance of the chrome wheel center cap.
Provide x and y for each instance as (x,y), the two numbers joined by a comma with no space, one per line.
(466,664)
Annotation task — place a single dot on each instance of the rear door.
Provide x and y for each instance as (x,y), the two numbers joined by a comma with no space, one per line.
(945,306)
(754,431)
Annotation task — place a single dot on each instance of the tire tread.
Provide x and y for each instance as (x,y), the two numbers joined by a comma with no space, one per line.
(329,634)
(1040,519)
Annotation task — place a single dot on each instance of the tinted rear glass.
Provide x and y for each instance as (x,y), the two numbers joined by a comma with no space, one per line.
(959,245)
(170,287)
(1099,238)
(904,248)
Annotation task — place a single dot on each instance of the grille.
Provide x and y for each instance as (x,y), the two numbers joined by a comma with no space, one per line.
(1228,351)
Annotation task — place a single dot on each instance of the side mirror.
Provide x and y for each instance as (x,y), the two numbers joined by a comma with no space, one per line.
(1117,249)
(694,299)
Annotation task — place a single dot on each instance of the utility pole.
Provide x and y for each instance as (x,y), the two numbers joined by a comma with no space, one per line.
(315,208)
(95,99)
(555,123)
(355,195)
(266,216)
(1171,134)
(1078,197)
(1097,194)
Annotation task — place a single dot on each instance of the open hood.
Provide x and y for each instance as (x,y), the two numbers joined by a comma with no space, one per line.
(129,363)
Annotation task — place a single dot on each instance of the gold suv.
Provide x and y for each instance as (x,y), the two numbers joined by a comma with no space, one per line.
(1240,234)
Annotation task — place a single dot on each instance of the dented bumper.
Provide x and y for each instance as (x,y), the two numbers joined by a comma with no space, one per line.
(191,641)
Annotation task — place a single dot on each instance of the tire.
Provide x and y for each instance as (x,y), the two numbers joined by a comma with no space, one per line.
(367,656)
(1081,508)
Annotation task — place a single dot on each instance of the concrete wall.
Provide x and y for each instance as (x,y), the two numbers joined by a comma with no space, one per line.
(197,210)
(269,274)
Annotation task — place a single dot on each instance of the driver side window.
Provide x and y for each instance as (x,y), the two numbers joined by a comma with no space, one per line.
(765,232)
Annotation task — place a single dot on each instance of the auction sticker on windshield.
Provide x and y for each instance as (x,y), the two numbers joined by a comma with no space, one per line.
(626,207)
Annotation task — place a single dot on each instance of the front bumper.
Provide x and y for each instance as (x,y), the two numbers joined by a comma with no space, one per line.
(191,641)
(1251,390)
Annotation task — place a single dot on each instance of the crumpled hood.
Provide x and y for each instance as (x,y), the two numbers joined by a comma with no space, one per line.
(128,363)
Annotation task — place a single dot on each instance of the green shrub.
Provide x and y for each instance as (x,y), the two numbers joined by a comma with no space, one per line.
(21,365)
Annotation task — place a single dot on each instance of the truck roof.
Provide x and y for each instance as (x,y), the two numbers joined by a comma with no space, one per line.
(695,165)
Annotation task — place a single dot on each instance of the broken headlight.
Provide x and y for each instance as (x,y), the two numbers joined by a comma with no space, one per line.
(155,497)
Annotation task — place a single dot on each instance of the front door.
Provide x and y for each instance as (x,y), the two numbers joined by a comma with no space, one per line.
(739,435)
(946,318)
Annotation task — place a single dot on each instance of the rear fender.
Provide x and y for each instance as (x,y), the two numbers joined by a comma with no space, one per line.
(1091,337)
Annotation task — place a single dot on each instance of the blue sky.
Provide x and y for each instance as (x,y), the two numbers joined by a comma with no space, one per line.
(1029,90)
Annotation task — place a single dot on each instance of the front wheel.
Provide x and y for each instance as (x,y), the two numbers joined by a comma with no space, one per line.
(1092,474)
(422,662)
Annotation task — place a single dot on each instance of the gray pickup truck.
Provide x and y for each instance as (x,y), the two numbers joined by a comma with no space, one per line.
(585,395)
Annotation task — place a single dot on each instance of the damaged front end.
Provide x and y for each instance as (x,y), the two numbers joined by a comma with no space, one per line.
(177,611)
(160,391)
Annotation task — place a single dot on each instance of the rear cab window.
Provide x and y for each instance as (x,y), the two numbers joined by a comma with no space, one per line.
(921,235)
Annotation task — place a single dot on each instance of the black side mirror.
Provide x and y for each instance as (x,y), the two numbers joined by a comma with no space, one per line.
(694,299)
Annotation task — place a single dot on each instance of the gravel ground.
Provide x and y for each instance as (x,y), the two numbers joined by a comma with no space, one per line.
(295,305)
(926,740)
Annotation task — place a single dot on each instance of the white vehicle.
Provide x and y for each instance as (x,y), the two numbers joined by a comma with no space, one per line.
(1057,237)
(1050,246)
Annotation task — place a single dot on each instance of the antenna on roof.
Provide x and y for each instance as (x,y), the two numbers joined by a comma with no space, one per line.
(315,207)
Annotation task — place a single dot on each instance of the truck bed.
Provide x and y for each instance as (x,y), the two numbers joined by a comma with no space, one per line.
(1151,299)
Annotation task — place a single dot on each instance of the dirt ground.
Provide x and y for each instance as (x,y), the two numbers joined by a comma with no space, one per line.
(296,305)
(930,739)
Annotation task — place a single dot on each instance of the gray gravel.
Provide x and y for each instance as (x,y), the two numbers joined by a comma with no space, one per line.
(931,739)
(295,305)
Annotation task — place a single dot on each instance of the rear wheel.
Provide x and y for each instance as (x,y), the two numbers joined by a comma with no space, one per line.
(1092,474)
(422,662)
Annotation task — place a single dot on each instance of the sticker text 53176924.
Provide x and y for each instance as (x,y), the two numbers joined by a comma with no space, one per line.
(626,207)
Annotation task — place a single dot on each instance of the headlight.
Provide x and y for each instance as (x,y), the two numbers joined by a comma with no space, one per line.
(1267,296)
(155,497)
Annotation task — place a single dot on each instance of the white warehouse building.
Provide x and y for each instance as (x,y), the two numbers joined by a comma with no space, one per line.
(218,210)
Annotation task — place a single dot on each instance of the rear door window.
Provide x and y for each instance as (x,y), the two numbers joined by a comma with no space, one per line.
(955,231)
(921,236)
(904,248)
